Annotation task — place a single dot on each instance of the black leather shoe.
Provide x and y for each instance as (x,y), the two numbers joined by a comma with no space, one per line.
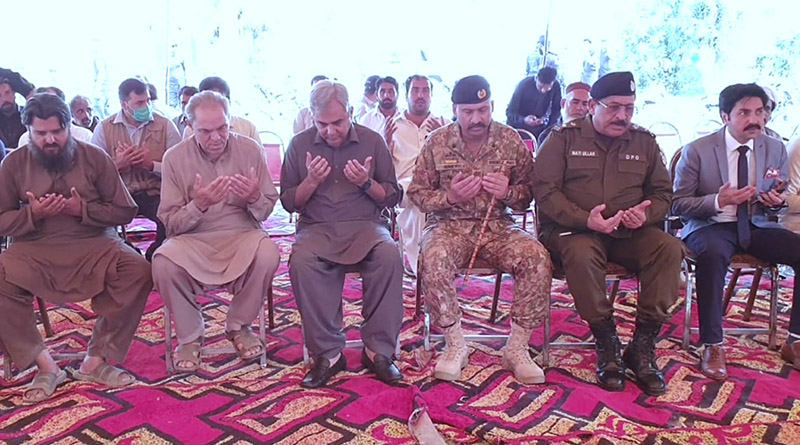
(640,358)
(610,369)
(322,371)
(383,367)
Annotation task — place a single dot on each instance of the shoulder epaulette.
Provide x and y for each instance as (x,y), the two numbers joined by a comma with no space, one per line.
(641,129)
(568,126)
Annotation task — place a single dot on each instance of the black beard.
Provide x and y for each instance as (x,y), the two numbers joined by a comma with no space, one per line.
(58,163)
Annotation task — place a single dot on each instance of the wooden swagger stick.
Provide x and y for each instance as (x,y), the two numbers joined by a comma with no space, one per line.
(480,238)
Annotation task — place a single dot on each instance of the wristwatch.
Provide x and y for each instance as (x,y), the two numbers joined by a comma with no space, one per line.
(366,185)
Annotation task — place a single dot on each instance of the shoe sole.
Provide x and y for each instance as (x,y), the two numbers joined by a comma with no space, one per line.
(717,378)
(535,380)
(451,377)
(371,368)
(612,388)
(788,360)
(629,373)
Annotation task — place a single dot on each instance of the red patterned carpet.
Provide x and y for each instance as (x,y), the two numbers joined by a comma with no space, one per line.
(228,402)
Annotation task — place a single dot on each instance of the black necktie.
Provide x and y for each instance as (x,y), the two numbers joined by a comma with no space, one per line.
(742,213)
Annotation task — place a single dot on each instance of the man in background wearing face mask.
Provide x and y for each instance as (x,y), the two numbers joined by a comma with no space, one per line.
(136,140)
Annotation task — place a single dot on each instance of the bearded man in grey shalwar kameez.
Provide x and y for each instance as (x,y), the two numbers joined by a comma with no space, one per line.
(60,200)
(216,194)
(339,176)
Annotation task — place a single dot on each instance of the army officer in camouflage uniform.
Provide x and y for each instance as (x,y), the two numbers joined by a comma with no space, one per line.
(603,191)
(462,170)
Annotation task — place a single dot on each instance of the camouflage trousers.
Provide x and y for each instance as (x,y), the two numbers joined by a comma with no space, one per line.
(447,246)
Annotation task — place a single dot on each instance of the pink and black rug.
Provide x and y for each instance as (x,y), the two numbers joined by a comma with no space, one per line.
(230,402)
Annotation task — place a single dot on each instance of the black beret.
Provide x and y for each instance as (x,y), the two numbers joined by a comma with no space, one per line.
(618,83)
(471,90)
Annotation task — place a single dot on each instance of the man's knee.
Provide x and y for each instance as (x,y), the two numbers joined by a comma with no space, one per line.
(436,252)
(711,251)
(582,253)
(164,268)
(671,251)
(387,254)
(302,259)
(132,267)
(268,254)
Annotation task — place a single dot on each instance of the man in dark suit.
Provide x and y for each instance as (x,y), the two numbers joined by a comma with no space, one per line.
(729,192)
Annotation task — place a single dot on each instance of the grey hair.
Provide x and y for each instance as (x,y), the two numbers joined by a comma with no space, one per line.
(206,98)
(324,92)
(73,104)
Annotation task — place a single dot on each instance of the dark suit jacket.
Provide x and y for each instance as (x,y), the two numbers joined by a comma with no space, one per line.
(703,169)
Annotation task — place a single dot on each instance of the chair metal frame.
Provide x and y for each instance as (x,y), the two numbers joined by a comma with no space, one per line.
(207,351)
(738,261)
(702,125)
(482,269)
(526,135)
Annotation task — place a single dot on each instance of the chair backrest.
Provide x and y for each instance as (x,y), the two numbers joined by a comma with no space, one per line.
(706,127)
(673,162)
(667,136)
(529,140)
(273,151)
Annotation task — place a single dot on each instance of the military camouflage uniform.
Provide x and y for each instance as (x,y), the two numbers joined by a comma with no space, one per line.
(452,230)
(578,169)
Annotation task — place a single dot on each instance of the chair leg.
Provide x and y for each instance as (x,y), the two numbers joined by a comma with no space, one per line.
(426,331)
(751,299)
(168,340)
(48,329)
(612,296)
(729,290)
(7,375)
(524,220)
(270,308)
(306,355)
(687,313)
(546,334)
(498,281)
(773,307)
(262,332)
(418,308)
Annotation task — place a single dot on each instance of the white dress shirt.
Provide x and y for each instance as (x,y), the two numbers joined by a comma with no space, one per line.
(303,121)
(728,213)
(363,107)
(407,142)
(375,120)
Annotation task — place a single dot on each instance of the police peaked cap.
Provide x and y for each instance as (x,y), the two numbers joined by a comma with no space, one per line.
(618,83)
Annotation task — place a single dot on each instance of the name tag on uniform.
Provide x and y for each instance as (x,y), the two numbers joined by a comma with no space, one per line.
(449,163)
(772,173)
(631,157)
(583,153)
(502,162)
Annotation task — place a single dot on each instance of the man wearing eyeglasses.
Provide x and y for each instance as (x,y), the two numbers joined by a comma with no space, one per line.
(729,191)
(603,190)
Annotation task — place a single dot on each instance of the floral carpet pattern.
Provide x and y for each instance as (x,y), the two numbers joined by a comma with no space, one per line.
(228,401)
